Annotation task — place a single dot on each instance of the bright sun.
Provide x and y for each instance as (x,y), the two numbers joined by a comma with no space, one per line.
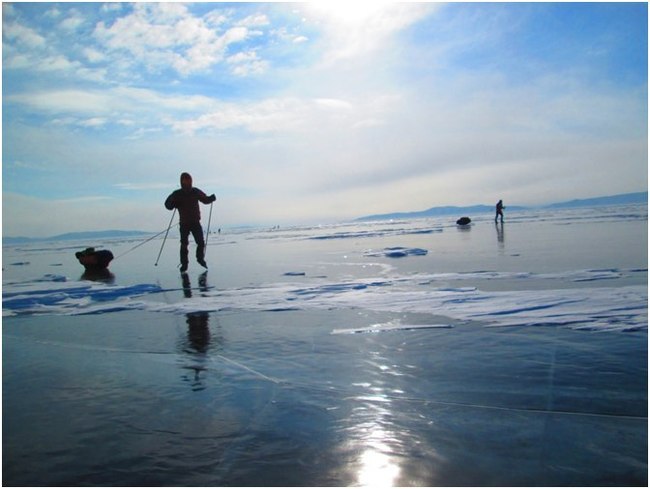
(350,12)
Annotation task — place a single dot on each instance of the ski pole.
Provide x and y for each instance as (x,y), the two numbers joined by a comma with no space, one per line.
(165,238)
(207,235)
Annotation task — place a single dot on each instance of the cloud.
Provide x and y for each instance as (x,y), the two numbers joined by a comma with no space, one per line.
(94,55)
(27,50)
(167,35)
(132,43)
(22,35)
(72,23)
(111,7)
(282,33)
(247,63)
(256,20)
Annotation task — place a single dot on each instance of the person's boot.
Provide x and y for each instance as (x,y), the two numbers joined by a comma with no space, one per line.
(200,255)
(184,258)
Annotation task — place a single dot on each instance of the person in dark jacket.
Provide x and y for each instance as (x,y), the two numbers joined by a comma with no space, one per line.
(186,199)
(500,208)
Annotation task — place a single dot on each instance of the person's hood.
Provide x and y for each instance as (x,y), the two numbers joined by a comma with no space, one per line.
(186,180)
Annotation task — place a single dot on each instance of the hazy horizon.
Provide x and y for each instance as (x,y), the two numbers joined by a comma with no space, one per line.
(368,218)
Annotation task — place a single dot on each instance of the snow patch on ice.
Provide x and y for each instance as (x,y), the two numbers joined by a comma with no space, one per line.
(622,308)
(397,252)
(54,294)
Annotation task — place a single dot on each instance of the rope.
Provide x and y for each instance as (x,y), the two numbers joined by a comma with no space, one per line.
(140,244)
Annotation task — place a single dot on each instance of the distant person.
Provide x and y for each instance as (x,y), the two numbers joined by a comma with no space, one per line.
(186,199)
(500,208)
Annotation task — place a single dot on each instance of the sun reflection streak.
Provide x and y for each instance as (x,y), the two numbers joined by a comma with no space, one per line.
(375,434)
(377,468)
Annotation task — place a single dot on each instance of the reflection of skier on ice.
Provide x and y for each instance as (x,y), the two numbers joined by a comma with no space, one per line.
(500,208)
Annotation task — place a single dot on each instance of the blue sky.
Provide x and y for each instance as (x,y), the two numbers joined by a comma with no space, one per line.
(308,113)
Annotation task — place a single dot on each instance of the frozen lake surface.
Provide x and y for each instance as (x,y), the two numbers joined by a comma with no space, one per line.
(385,353)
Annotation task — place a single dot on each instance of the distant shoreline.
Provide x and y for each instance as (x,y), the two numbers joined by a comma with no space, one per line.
(11,240)
(620,199)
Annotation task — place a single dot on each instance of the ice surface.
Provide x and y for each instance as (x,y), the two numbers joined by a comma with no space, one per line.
(509,355)
(530,277)
(374,233)
(378,328)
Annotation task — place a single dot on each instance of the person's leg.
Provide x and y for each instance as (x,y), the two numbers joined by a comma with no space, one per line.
(185,241)
(197,233)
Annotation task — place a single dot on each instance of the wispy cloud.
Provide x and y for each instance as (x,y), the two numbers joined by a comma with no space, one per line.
(82,200)
(143,186)
(285,115)
(133,108)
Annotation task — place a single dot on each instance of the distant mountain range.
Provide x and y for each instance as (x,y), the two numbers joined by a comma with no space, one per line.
(90,235)
(621,199)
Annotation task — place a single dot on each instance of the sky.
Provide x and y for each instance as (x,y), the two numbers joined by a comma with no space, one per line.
(295,113)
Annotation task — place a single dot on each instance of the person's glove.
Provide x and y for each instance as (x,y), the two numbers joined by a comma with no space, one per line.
(213,198)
